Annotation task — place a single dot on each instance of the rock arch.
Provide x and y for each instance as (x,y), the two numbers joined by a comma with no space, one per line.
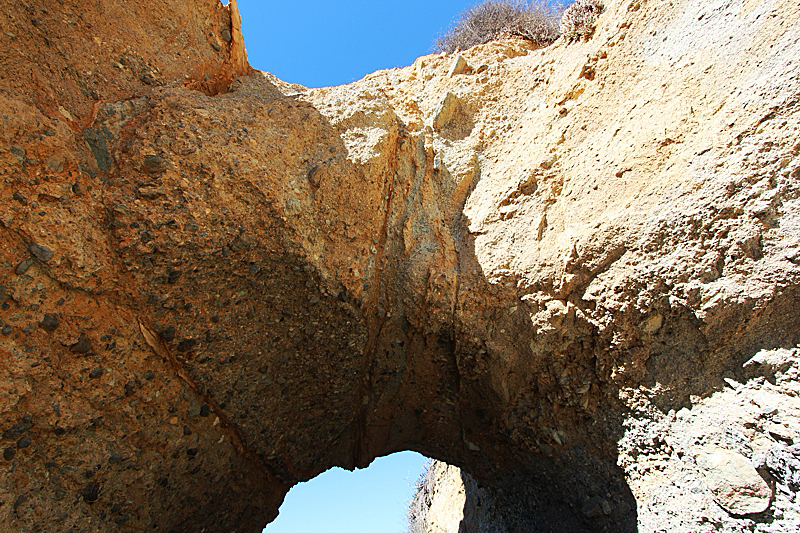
(209,298)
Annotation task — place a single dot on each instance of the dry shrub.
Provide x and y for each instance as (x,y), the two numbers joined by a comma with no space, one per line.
(579,19)
(495,19)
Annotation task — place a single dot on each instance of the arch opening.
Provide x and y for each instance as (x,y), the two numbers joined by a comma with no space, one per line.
(373,499)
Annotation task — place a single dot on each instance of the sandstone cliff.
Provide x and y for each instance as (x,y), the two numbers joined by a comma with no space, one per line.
(542,269)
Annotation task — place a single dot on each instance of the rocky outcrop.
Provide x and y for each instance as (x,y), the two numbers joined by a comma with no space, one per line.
(730,460)
(449,500)
(213,289)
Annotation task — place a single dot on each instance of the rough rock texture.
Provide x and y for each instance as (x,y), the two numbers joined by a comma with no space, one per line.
(540,270)
(731,462)
(448,500)
(438,505)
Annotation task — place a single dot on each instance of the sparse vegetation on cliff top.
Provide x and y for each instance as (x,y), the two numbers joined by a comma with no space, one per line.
(535,21)
(579,19)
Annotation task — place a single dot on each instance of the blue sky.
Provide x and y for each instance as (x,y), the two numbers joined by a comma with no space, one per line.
(318,44)
(372,500)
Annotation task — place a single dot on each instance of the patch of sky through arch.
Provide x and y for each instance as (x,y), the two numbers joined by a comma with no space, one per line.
(370,500)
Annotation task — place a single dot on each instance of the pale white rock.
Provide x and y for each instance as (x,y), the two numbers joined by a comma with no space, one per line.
(459,66)
(445,111)
(734,483)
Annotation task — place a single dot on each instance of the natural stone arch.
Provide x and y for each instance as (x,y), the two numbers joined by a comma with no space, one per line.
(320,372)
(209,299)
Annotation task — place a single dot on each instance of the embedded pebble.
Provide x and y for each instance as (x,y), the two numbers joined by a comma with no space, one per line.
(155,164)
(55,163)
(41,253)
(21,499)
(186,345)
(18,153)
(49,323)
(596,507)
(84,345)
(735,485)
(90,493)
(168,334)
(784,463)
(17,430)
(23,267)
(459,66)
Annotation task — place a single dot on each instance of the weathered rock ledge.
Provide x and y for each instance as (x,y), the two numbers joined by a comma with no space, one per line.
(215,284)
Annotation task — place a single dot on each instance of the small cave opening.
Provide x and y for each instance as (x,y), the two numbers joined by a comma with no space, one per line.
(375,499)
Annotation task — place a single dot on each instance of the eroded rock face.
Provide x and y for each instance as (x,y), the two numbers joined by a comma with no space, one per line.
(214,289)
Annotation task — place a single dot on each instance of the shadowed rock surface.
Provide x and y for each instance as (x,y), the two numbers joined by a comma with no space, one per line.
(215,284)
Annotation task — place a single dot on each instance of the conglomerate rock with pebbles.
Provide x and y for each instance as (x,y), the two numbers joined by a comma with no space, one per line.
(541,266)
